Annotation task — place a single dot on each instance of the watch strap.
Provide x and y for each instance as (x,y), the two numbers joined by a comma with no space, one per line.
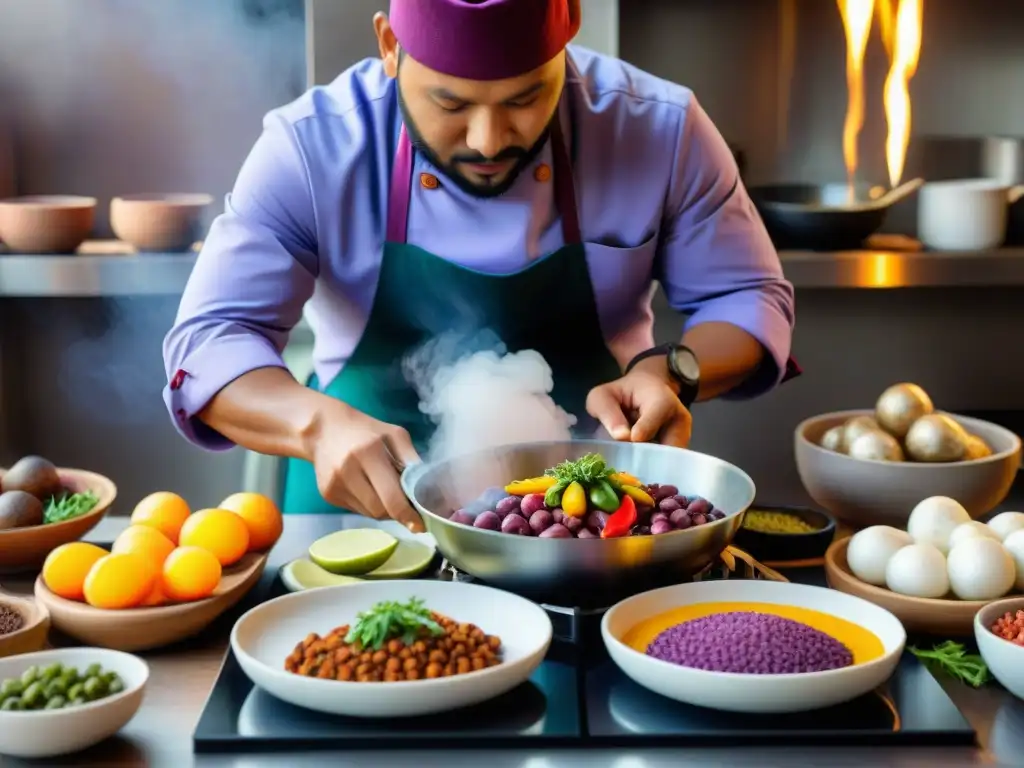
(688,388)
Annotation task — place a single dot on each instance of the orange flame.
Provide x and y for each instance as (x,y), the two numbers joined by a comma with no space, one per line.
(906,50)
(857,16)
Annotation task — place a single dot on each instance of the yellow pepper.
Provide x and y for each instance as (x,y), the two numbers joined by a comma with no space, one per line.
(624,478)
(639,495)
(574,500)
(530,485)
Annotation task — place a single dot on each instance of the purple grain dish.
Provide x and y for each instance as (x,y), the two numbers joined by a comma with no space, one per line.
(661,526)
(680,520)
(516,525)
(752,643)
(462,517)
(507,505)
(531,503)
(556,532)
(668,505)
(488,520)
(541,520)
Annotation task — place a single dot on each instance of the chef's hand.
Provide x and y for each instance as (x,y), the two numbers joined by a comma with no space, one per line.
(354,470)
(641,407)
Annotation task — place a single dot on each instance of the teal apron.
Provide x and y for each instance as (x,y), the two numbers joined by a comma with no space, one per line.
(547,306)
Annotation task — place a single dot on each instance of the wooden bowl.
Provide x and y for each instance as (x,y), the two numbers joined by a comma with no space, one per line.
(32,635)
(139,629)
(167,223)
(947,618)
(46,223)
(24,549)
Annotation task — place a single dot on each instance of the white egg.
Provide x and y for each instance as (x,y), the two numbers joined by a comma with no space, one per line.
(1014,544)
(869,552)
(980,568)
(1006,523)
(933,520)
(971,529)
(918,570)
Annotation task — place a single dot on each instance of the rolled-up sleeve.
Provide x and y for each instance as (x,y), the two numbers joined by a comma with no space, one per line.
(255,272)
(716,262)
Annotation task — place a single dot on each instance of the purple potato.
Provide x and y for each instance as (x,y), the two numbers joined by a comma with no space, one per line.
(659,516)
(586,533)
(680,520)
(698,507)
(488,520)
(462,517)
(516,525)
(541,520)
(531,503)
(596,520)
(556,531)
(558,515)
(652,488)
(665,491)
(574,524)
(681,500)
(506,505)
(716,514)
(669,505)
(698,519)
(661,526)
(641,530)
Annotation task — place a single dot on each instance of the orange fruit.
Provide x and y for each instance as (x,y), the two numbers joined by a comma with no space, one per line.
(190,573)
(223,533)
(146,541)
(163,510)
(67,566)
(120,581)
(261,516)
(156,597)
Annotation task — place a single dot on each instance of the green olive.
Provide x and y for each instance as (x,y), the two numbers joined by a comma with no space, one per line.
(76,691)
(11,687)
(93,670)
(11,705)
(95,688)
(55,688)
(115,686)
(30,675)
(56,702)
(33,695)
(77,701)
(53,671)
(70,675)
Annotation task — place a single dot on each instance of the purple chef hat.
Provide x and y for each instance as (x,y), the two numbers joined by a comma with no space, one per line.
(484,39)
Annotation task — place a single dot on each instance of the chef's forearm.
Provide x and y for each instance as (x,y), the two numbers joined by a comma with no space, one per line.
(268,411)
(727,354)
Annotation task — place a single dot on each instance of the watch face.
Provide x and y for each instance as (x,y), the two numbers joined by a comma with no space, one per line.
(685,364)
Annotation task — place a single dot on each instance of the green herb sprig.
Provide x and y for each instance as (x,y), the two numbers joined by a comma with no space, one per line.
(389,619)
(955,661)
(68,506)
(586,470)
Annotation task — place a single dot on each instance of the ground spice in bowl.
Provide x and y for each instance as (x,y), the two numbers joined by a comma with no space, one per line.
(11,620)
(774,521)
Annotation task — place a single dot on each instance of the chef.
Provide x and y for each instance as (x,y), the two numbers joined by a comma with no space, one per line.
(481,174)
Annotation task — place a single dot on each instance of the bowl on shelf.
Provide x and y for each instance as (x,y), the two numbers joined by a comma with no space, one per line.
(31,636)
(1004,659)
(53,732)
(864,493)
(24,549)
(787,547)
(167,223)
(140,629)
(46,223)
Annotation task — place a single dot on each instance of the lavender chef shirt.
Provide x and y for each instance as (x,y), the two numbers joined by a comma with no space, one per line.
(658,194)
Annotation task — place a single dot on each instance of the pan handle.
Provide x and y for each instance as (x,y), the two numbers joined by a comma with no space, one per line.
(893,196)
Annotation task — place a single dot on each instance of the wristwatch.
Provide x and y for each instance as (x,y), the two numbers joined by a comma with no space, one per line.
(683,367)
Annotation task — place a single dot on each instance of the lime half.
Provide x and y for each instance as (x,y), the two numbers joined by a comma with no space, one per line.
(353,552)
(303,574)
(410,559)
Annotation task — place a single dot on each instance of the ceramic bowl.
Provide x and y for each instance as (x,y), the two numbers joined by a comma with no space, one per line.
(34,629)
(48,733)
(772,548)
(139,629)
(46,223)
(24,549)
(865,493)
(747,692)
(265,636)
(1005,660)
(945,617)
(168,223)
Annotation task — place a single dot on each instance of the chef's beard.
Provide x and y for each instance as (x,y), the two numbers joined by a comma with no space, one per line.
(522,157)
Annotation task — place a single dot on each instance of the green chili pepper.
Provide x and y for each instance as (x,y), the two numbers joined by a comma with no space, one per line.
(603,496)
(553,495)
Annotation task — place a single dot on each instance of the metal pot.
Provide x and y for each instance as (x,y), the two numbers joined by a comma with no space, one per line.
(586,573)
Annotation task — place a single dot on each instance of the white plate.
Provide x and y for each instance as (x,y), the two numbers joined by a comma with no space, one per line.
(268,633)
(48,733)
(753,693)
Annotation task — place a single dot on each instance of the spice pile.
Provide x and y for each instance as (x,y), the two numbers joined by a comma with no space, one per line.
(1010,627)
(587,499)
(393,642)
(10,620)
(774,521)
(748,642)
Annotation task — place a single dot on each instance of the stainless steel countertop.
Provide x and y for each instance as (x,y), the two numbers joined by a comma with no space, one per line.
(92,275)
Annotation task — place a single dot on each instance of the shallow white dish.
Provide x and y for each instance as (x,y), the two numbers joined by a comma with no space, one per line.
(48,733)
(1005,660)
(753,693)
(268,633)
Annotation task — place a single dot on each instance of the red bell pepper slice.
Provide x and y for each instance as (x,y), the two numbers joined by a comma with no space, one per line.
(621,520)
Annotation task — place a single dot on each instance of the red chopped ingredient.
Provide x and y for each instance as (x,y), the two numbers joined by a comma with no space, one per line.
(1010,627)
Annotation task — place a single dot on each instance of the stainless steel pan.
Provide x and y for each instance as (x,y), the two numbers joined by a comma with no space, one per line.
(577,572)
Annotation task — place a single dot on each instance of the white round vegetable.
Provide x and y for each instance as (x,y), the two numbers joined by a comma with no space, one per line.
(1014,544)
(869,552)
(971,529)
(1006,523)
(980,568)
(917,570)
(933,520)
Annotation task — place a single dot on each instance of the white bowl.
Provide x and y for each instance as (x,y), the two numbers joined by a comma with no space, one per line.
(1005,660)
(268,633)
(48,733)
(753,693)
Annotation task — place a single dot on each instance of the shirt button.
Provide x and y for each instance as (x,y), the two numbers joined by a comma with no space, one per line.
(542,172)
(429,181)
(178,379)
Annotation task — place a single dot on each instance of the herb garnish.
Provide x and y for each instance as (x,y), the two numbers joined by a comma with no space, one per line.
(390,619)
(67,506)
(585,471)
(954,660)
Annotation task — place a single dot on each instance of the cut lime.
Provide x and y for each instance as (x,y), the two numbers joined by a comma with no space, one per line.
(353,552)
(410,559)
(304,574)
